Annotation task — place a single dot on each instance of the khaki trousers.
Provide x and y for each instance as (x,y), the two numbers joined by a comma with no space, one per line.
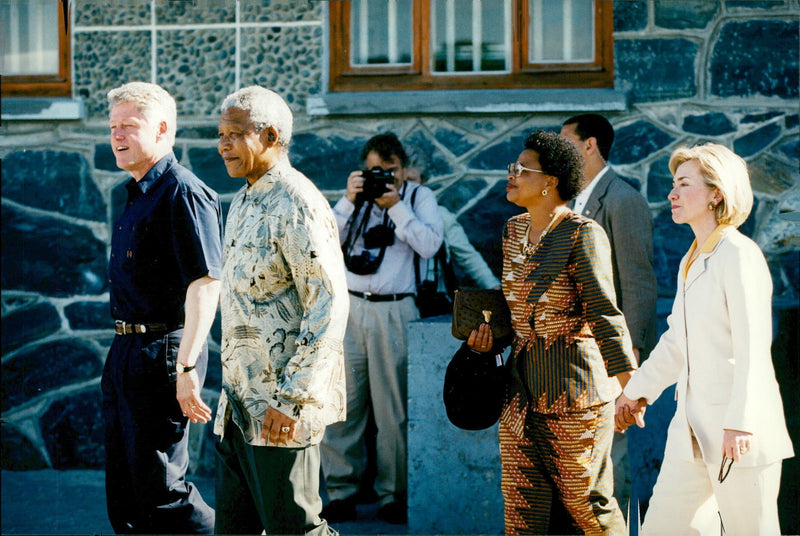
(376,359)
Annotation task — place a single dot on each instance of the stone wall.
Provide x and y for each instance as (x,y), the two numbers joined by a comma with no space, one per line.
(694,71)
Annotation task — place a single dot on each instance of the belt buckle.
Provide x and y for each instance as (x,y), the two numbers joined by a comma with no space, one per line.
(139,328)
(368,296)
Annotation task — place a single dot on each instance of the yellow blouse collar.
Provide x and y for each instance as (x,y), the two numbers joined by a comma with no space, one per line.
(707,247)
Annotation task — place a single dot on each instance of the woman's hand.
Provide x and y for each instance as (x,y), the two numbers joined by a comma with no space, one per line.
(735,443)
(629,412)
(481,339)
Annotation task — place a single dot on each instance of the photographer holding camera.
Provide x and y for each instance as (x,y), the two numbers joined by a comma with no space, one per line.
(383,220)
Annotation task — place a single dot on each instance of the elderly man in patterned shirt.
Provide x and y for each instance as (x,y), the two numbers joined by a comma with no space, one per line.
(284,312)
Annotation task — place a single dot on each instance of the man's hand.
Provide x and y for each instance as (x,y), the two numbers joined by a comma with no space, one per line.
(278,428)
(629,412)
(188,395)
(355,185)
(389,198)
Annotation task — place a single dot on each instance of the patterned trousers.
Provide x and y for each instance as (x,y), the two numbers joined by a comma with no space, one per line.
(557,473)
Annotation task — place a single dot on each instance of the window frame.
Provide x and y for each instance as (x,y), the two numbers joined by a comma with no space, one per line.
(47,85)
(419,76)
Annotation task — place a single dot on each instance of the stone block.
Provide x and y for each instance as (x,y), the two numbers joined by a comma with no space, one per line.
(198,86)
(459,194)
(453,474)
(106,13)
(637,141)
(286,59)
(760,117)
(72,429)
(18,452)
(659,180)
(485,221)
(44,368)
(752,57)
(25,324)
(279,10)
(89,315)
(207,164)
(104,157)
(656,69)
(755,141)
(670,244)
(105,60)
(56,181)
(769,175)
(685,14)
(630,16)
(418,145)
(710,124)
(327,158)
(47,255)
(455,140)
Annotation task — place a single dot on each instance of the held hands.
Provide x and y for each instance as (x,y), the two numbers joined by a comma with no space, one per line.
(188,395)
(278,429)
(735,443)
(629,412)
(481,339)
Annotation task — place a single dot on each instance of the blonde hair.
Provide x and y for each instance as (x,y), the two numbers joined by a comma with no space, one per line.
(724,170)
(151,100)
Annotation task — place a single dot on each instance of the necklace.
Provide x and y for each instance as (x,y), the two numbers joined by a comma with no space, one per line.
(528,248)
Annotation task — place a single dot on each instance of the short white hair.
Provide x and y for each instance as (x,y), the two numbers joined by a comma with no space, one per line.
(151,100)
(266,109)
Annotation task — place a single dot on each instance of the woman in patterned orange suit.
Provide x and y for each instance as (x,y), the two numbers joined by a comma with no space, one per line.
(571,352)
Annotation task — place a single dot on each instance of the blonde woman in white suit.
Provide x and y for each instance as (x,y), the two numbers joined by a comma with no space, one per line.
(717,350)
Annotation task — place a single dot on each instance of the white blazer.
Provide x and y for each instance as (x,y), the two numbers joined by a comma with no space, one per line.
(717,349)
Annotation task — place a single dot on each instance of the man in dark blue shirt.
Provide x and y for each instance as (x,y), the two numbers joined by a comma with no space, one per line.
(164,276)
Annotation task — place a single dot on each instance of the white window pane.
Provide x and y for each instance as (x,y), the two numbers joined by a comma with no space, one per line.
(380,32)
(29,43)
(561,31)
(470,35)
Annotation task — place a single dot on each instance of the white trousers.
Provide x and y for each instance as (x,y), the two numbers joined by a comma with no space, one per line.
(688,499)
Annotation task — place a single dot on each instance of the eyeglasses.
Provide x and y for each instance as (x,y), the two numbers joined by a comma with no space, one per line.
(516,169)
(723,471)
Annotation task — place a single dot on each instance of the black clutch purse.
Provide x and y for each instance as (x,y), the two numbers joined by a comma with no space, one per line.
(472,307)
(474,388)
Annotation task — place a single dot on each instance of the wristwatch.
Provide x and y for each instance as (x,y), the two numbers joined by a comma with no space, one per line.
(181,368)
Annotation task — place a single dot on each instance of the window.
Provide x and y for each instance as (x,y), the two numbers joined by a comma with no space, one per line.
(35,48)
(463,44)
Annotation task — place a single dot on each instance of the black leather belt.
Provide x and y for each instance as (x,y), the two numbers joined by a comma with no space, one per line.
(380,297)
(126,328)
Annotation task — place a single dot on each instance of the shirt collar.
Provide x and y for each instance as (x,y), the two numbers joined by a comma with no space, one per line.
(273,174)
(155,173)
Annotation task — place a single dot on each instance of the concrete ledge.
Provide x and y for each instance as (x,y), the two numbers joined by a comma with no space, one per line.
(464,101)
(453,474)
(42,109)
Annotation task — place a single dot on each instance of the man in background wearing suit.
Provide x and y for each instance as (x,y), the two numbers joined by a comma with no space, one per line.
(625,216)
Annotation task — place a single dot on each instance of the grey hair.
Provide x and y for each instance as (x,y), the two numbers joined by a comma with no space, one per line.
(151,100)
(266,109)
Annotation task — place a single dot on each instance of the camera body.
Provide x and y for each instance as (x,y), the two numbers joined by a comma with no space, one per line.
(375,183)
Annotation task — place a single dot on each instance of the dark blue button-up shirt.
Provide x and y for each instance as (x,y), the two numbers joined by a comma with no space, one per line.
(169,235)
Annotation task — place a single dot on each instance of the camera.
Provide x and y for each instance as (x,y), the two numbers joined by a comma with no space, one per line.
(375,182)
(378,237)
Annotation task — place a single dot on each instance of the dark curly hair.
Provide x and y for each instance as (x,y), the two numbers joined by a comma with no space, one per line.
(558,157)
(386,146)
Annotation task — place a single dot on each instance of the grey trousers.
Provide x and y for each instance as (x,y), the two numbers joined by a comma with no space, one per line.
(269,489)
(376,360)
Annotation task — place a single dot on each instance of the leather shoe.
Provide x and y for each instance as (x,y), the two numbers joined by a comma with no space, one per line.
(394,513)
(339,511)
